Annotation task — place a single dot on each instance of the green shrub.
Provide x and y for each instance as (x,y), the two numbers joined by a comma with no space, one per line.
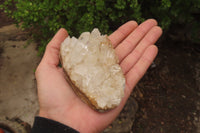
(169,12)
(45,17)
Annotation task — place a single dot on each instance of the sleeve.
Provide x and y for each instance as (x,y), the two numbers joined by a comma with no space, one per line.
(44,125)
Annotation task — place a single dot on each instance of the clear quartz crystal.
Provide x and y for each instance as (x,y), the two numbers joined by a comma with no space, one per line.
(92,66)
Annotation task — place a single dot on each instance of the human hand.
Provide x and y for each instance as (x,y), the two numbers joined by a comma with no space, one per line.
(134,46)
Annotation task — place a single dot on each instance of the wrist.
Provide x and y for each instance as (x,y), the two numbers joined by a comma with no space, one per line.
(71,121)
(58,116)
(53,115)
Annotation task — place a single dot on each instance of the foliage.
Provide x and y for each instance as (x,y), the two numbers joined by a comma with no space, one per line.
(168,12)
(45,17)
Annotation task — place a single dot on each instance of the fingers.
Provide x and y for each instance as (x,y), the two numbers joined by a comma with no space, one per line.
(150,38)
(123,49)
(51,55)
(136,72)
(122,32)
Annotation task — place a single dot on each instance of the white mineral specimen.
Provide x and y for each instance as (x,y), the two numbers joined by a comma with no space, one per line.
(93,70)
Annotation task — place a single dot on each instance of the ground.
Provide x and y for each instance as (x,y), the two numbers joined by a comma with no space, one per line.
(18,60)
(170,92)
(166,100)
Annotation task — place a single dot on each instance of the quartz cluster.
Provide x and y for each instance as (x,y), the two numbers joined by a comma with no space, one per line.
(92,68)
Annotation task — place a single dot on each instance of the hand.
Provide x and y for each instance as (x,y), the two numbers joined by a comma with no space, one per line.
(134,45)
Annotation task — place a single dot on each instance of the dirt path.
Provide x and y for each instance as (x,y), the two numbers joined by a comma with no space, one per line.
(18,99)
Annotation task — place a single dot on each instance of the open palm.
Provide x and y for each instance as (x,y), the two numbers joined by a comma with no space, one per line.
(134,46)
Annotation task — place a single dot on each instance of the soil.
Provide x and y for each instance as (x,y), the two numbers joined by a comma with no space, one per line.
(169,93)
(167,99)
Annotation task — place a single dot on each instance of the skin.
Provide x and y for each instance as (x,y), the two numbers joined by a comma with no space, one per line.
(134,46)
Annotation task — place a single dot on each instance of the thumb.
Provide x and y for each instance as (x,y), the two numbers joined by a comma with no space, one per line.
(51,55)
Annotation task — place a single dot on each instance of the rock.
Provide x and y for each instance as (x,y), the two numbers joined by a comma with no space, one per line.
(92,69)
(18,95)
